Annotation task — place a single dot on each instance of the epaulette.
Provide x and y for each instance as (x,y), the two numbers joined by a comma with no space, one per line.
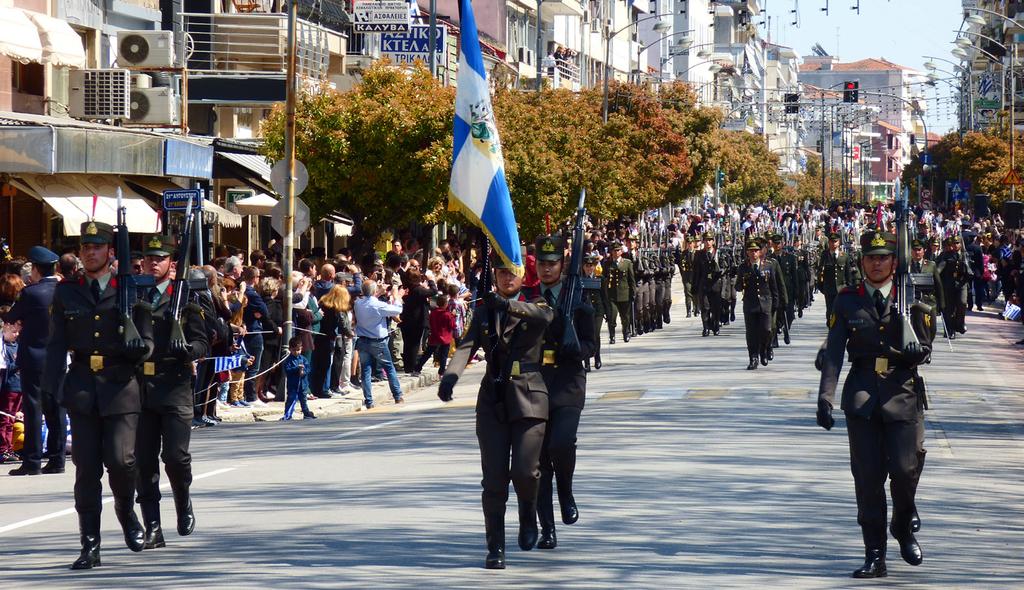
(852,290)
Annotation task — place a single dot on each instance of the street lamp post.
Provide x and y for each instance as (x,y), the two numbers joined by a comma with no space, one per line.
(658,28)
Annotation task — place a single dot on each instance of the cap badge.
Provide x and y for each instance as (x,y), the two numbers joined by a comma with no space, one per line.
(91,229)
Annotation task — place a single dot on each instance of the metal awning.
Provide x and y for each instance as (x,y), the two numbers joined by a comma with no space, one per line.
(61,44)
(72,196)
(342,224)
(212,212)
(256,164)
(260,204)
(20,39)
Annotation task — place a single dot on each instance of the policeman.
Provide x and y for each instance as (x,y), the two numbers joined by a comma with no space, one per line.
(167,412)
(102,391)
(955,275)
(707,285)
(833,271)
(598,300)
(760,295)
(686,275)
(32,309)
(566,381)
(619,285)
(883,399)
(511,404)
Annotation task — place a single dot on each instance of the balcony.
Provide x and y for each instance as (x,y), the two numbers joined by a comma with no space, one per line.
(244,44)
(562,73)
(551,8)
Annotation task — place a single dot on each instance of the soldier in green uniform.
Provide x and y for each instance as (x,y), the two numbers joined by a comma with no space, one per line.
(566,380)
(101,390)
(596,297)
(619,285)
(686,275)
(166,417)
(833,271)
(668,271)
(955,275)
(707,285)
(760,296)
(511,405)
(804,276)
(787,267)
(931,296)
(934,250)
(883,399)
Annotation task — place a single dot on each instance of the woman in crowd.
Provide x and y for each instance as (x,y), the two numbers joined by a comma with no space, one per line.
(266,386)
(326,340)
(10,287)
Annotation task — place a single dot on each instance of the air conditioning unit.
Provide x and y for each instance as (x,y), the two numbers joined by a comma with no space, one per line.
(154,106)
(145,49)
(609,24)
(526,56)
(99,94)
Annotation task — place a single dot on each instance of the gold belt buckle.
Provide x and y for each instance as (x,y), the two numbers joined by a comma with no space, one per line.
(881,365)
(515,368)
(549,357)
(96,363)
(149,368)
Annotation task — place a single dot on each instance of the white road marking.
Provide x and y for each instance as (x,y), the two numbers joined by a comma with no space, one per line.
(373,427)
(107,500)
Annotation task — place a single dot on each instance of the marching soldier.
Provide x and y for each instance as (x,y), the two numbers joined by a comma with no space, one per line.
(511,405)
(598,300)
(668,271)
(918,265)
(833,271)
(166,417)
(787,267)
(934,250)
(728,263)
(642,302)
(884,402)
(686,275)
(804,281)
(760,296)
(619,285)
(707,284)
(955,276)
(566,380)
(101,392)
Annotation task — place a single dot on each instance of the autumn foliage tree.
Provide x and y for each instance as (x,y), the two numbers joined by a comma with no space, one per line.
(751,170)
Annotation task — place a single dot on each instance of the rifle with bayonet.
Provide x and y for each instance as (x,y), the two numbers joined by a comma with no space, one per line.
(178,345)
(128,286)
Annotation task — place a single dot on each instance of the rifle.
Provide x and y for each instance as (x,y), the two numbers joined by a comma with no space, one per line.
(904,288)
(571,296)
(179,296)
(128,284)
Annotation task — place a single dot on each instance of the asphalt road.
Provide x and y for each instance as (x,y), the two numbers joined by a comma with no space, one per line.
(693,473)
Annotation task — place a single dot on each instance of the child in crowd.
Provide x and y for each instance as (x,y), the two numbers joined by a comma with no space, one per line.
(10,390)
(442,328)
(296,368)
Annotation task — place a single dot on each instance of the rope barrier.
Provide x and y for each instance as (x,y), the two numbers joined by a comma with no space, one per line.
(243,380)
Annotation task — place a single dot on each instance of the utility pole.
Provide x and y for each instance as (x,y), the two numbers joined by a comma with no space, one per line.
(822,146)
(538,58)
(288,239)
(432,39)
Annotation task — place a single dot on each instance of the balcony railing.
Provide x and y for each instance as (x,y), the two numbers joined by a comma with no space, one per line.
(562,73)
(249,43)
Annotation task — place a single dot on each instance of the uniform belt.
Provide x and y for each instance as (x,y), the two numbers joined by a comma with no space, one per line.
(870,363)
(98,362)
(529,367)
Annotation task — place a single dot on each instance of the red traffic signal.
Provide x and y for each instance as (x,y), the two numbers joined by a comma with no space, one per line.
(850,91)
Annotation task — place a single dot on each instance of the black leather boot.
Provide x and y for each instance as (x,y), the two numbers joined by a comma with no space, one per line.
(874,565)
(527,525)
(915,522)
(154,535)
(597,362)
(134,536)
(186,517)
(89,527)
(752,365)
(546,514)
(566,501)
(495,531)
(910,550)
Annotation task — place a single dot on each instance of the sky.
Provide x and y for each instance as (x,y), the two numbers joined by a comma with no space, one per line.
(901,31)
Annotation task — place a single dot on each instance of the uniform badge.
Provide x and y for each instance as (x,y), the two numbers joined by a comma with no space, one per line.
(149,368)
(548,247)
(155,243)
(516,370)
(927,321)
(91,229)
(878,241)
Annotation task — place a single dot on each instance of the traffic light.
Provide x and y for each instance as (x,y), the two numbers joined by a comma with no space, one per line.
(792,103)
(721,177)
(850,91)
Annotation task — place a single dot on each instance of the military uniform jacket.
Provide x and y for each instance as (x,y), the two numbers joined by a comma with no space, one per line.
(32,309)
(759,287)
(101,380)
(598,300)
(833,272)
(566,379)
(803,267)
(933,296)
(887,385)
(788,265)
(780,283)
(618,280)
(517,353)
(686,265)
(707,272)
(953,270)
(168,378)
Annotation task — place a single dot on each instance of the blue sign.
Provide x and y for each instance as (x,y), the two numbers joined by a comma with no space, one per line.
(926,158)
(412,45)
(177,200)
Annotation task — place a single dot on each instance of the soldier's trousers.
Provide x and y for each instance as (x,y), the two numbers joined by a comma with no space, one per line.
(522,440)
(711,310)
(955,312)
(878,450)
(658,308)
(558,459)
(666,303)
(623,309)
(643,306)
(829,298)
(688,298)
(164,433)
(103,441)
(598,324)
(759,332)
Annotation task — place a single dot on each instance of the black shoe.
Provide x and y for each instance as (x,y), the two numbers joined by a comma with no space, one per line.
(800,313)
(134,535)
(567,503)
(732,316)
(546,516)
(715,332)
(771,354)
(90,556)
(785,338)
(597,363)
(527,525)
(52,467)
(874,565)
(24,471)
(548,540)
(495,527)
(753,364)
(910,550)
(625,338)
(764,360)
(186,517)
(154,536)
(611,340)
(915,522)
(323,395)
(705,333)
(312,416)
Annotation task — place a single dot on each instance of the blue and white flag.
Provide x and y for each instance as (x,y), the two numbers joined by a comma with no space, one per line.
(227,363)
(477,188)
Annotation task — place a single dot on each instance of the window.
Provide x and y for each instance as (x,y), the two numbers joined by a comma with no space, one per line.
(27,78)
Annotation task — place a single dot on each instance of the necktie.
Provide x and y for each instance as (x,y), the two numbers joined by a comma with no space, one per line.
(880,303)
(154,295)
(94,286)
(549,297)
